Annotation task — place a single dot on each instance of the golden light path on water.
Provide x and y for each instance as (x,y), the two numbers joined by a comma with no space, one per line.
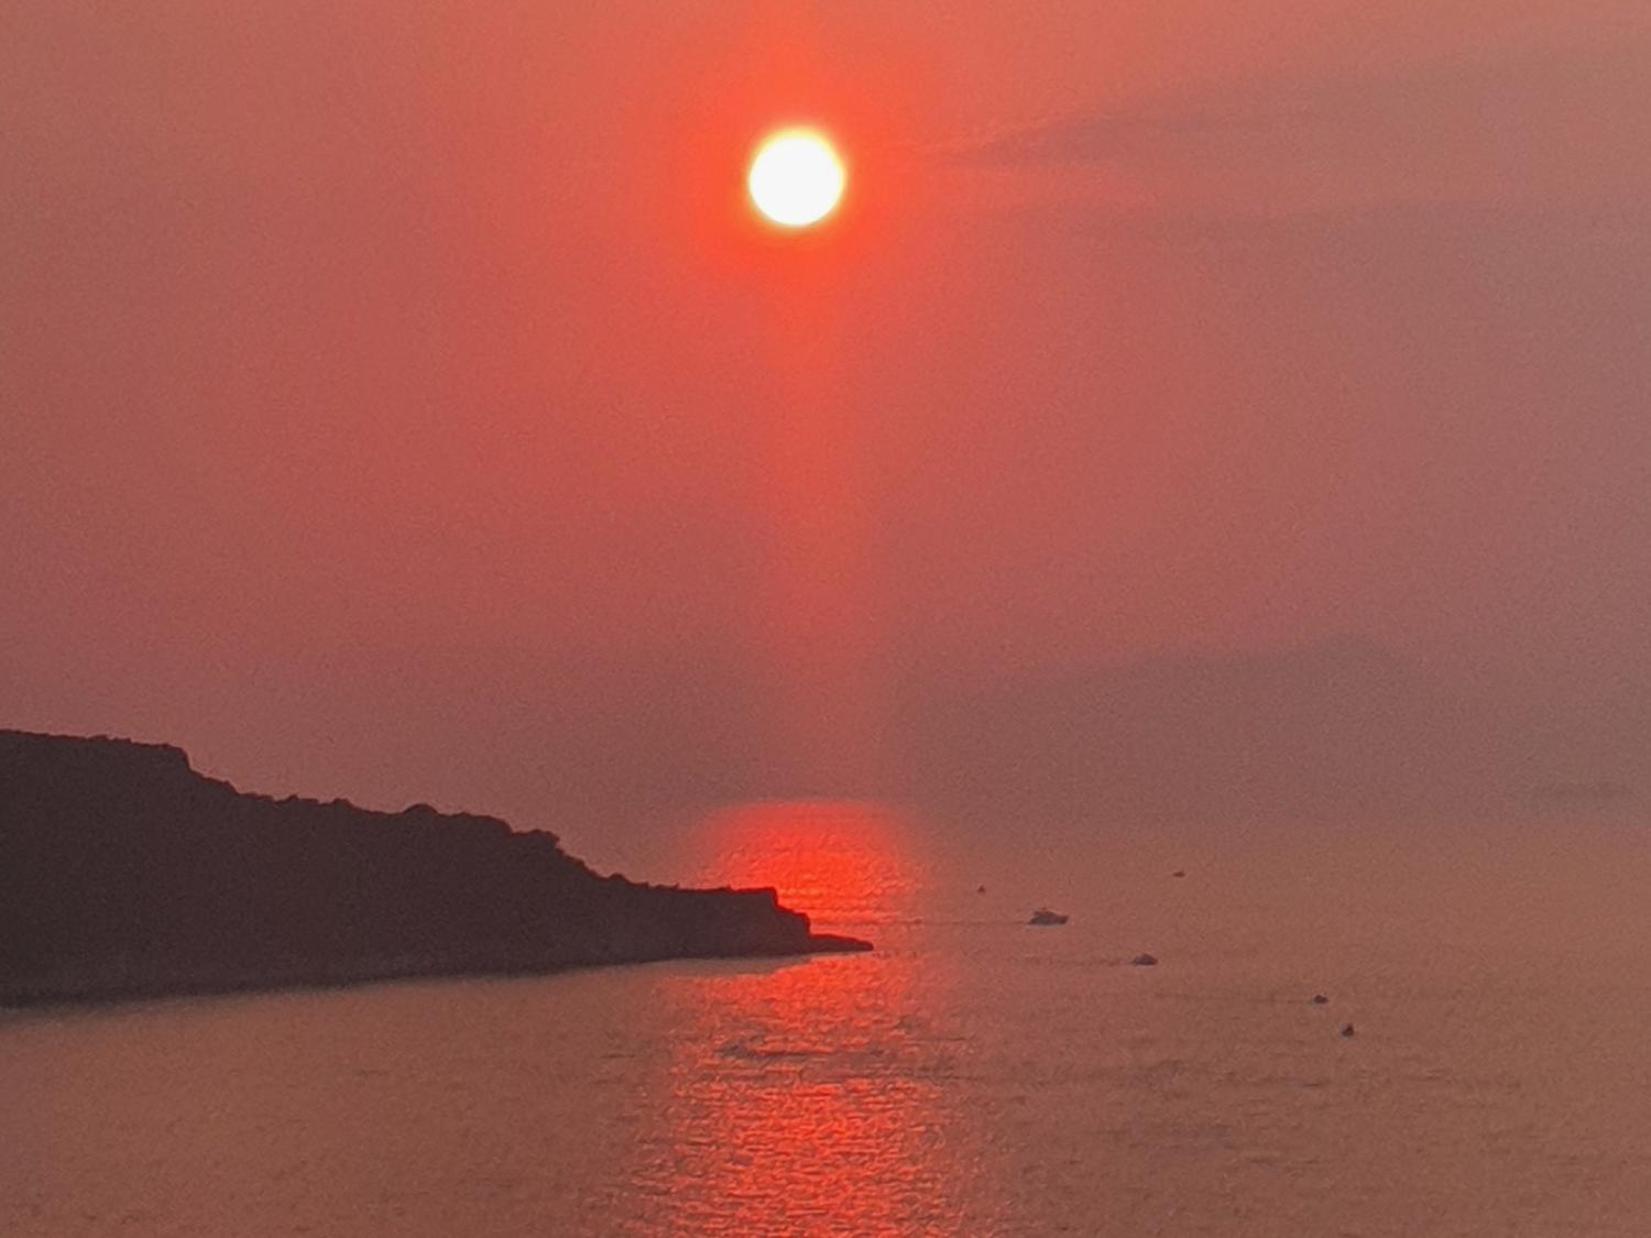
(842,862)
(802,1098)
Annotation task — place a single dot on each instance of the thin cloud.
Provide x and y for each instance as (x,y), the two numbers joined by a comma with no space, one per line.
(1566,125)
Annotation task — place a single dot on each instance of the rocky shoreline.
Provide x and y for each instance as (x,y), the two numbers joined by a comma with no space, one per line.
(126,875)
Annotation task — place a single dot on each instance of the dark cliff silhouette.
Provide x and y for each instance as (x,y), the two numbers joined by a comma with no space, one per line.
(124,873)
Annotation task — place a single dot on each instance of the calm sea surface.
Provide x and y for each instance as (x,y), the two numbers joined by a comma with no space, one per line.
(973,1076)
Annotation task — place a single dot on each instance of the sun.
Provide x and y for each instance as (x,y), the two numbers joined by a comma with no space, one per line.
(796,178)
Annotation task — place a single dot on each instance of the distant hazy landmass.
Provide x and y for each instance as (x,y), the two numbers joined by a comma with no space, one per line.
(1338,730)
(124,873)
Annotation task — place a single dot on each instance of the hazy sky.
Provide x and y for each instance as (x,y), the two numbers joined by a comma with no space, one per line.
(397,400)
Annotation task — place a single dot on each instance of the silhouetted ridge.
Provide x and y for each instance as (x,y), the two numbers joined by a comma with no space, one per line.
(123,873)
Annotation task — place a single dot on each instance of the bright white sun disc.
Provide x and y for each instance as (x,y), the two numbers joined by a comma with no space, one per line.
(796,178)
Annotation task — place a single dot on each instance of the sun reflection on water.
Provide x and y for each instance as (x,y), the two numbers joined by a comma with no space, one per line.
(838,862)
(805,1097)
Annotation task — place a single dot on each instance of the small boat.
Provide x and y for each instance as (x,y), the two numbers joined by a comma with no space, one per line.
(1044,916)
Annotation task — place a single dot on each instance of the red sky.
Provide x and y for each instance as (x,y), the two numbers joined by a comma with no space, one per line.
(379,381)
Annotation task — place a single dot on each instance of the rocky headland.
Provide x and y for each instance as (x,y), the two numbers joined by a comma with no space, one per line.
(125,874)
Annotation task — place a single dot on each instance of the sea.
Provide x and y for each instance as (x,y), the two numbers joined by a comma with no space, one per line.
(974,1075)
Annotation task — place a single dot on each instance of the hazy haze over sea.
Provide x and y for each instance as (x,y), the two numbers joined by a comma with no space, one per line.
(974,1075)
(1195,411)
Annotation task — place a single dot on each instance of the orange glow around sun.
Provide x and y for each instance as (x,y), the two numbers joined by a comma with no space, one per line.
(796,178)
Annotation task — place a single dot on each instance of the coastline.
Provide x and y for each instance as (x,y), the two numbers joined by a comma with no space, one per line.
(69,995)
(125,875)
